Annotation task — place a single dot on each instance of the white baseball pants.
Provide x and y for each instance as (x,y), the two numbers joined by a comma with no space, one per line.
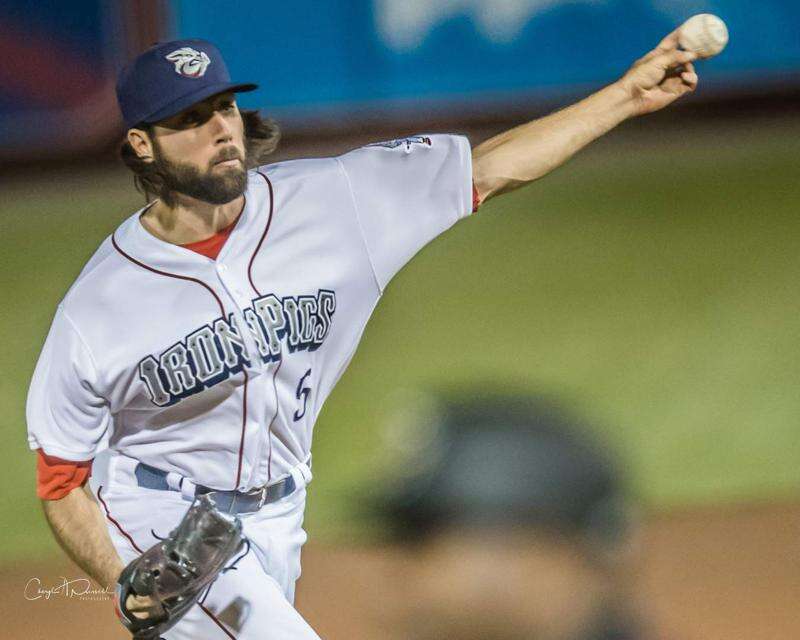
(252,601)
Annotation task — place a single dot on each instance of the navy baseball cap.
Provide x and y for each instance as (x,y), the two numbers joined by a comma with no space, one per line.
(171,76)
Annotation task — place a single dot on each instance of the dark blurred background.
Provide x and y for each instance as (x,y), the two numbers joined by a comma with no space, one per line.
(648,290)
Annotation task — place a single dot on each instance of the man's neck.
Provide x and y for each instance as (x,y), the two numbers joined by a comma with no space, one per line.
(189,220)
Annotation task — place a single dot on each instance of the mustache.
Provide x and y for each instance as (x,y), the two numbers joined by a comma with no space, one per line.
(228,153)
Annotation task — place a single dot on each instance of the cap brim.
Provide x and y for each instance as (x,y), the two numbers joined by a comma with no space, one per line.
(184,102)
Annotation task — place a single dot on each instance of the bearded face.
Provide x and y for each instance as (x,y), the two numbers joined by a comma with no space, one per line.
(199,152)
(219,181)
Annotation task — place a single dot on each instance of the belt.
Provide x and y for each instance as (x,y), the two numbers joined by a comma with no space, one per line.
(231,501)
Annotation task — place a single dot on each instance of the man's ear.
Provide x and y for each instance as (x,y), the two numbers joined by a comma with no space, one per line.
(141,144)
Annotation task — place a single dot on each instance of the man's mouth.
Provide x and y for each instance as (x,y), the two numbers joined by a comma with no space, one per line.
(228,159)
(233,162)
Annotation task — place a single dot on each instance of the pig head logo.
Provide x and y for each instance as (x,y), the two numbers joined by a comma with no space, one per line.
(189,62)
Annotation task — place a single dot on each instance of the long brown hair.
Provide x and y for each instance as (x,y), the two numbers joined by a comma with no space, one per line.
(261,137)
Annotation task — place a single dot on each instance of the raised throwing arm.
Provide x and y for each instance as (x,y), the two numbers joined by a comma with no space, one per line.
(532,150)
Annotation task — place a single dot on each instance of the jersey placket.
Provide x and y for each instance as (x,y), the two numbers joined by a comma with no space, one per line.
(238,284)
(234,286)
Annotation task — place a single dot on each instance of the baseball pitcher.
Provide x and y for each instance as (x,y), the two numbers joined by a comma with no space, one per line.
(198,344)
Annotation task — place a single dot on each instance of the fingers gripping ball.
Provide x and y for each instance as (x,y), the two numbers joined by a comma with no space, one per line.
(705,34)
(174,573)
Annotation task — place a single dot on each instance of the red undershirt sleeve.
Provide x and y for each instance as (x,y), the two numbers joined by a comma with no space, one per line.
(55,477)
(476,198)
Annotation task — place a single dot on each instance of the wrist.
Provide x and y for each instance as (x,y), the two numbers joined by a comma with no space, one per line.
(625,99)
(111,574)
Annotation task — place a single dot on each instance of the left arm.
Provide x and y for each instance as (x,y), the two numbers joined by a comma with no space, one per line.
(530,151)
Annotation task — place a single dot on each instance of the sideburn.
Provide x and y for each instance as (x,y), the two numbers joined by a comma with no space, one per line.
(261,138)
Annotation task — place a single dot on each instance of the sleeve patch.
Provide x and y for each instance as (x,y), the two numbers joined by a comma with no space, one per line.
(393,144)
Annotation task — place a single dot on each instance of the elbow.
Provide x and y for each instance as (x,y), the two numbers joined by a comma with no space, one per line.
(485,177)
(52,503)
(53,508)
(54,500)
(493,176)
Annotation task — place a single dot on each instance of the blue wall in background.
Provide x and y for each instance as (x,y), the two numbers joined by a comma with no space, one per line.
(42,42)
(326,59)
(57,65)
(333,56)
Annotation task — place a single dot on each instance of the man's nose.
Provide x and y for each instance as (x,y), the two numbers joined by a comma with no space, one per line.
(221,128)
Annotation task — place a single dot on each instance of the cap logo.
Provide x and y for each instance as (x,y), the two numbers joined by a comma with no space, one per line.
(189,62)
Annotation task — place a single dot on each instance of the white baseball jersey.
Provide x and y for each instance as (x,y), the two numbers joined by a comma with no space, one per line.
(217,369)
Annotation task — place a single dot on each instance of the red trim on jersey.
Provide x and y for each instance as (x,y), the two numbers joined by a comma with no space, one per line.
(210,247)
(115,523)
(476,198)
(275,415)
(244,425)
(136,548)
(263,235)
(169,275)
(214,618)
(258,293)
(222,311)
(55,477)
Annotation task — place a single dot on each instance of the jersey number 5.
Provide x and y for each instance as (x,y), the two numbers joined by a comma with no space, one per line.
(302,393)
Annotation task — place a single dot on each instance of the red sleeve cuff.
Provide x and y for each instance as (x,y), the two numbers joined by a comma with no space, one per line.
(476,198)
(55,477)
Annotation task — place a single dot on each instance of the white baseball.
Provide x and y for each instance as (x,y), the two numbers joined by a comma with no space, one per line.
(705,34)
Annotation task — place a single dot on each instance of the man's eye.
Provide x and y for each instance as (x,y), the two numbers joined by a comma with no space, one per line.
(228,106)
(191,118)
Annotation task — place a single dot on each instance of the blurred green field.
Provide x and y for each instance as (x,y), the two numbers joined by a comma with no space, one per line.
(652,285)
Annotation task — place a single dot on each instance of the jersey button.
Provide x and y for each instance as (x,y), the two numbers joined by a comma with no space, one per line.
(222,268)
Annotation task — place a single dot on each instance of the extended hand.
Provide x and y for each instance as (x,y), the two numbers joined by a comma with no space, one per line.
(661,77)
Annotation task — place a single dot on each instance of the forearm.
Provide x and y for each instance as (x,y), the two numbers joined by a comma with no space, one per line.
(80,529)
(530,151)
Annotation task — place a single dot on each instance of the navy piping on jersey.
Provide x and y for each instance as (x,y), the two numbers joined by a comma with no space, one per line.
(137,549)
(224,315)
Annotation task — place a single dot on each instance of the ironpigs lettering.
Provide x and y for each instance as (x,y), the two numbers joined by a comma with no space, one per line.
(214,352)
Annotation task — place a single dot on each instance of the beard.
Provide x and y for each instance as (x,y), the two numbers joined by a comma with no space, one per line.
(214,185)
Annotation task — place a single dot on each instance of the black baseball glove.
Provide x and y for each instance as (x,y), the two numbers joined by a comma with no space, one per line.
(175,572)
